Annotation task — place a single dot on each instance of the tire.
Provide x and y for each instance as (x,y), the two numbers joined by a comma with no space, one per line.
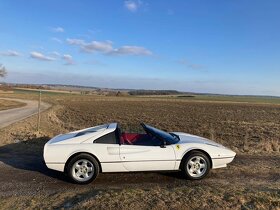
(195,165)
(82,169)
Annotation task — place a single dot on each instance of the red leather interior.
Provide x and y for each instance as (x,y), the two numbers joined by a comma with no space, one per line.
(130,138)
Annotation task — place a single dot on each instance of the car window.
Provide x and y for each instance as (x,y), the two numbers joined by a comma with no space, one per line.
(109,138)
(141,140)
(149,141)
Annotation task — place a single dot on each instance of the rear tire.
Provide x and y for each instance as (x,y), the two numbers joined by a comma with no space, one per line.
(195,165)
(83,169)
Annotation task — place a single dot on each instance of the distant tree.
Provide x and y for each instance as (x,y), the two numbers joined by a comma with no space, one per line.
(3,71)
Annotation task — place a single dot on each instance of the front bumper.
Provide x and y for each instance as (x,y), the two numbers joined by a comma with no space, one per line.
(221,162)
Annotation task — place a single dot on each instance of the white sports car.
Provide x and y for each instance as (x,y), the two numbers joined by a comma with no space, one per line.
(83,154)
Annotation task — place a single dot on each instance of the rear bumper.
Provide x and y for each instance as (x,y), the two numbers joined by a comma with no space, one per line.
(56,166)
(51,164)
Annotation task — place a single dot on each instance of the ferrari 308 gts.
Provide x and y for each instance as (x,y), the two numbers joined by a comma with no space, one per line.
(83,154)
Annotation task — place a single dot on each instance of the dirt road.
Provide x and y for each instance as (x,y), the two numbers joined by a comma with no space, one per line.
(24,173)
(10,116)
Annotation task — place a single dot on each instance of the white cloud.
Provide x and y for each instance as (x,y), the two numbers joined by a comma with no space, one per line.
(131,5)
(40,56)
(68,59)
(131,50)
(56,40)
(57,29)
(106,47)
(53,56)
(10,53)
(78,42)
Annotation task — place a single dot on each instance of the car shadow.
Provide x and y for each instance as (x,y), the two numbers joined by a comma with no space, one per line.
(175,174)
(28,155)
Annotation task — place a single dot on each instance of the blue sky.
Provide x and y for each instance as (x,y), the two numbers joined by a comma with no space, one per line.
(230,46)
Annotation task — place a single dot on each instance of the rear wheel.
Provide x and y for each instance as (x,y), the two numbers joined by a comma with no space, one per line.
(83,169)
(196,165)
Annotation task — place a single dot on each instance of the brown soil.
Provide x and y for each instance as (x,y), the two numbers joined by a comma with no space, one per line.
(252,181)
(245,128)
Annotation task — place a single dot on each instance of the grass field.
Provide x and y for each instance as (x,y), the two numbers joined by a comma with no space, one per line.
(222,98)
(192,97)
(9,104)
(252,129)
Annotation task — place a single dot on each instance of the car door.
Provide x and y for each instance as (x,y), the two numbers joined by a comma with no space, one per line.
(107,150)
(147,158)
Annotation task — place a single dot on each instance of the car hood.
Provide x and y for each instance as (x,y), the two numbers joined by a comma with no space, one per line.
(189,138)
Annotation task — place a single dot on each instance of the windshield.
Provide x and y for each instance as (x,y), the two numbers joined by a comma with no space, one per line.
(170,138)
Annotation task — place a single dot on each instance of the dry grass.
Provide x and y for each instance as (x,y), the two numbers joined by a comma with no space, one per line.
(252,181)
(185,197)
(9,104)
(246,128)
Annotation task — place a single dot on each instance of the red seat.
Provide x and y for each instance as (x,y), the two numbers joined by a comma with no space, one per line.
(130,138)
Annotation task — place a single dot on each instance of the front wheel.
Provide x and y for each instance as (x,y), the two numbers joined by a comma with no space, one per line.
(196,165)
(83,169)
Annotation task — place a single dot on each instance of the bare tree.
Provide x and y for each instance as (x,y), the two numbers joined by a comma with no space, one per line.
(3,71)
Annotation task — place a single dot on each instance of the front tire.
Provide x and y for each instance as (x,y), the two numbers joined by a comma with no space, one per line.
(83,169)
(195,166)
